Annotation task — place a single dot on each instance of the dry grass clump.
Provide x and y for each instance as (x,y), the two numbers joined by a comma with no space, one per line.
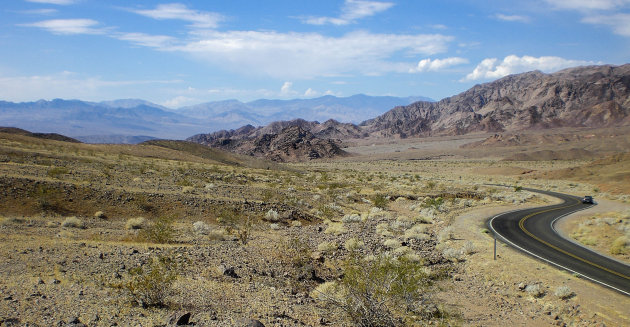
(620,245)
(446,234)
(383,229)
(275,226)
(272,215)
(135,223)
(100,215)
(351,218)
(296,223)
(72,222)
(335,228)
(353,244)
(469,248)
(391,243)
(327,246)
(201,228)
(535,290)
(563,292)
(417,232)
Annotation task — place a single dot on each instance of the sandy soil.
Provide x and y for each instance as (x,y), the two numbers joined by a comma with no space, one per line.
(490,294)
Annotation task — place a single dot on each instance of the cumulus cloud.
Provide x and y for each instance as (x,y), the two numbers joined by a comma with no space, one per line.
(512,18)
(287,89)
(428,64)
(68,26)
(492,68)
(54,2)
(182,12)
(351,11)
(311,93)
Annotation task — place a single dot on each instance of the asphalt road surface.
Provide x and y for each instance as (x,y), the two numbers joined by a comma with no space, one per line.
(532,231)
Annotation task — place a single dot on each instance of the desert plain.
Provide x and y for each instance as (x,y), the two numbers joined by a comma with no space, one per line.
(173,233)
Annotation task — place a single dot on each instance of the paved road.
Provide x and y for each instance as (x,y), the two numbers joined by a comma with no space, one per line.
(531,231)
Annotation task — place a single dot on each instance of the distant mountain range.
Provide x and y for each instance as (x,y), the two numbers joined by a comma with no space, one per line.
(134,121)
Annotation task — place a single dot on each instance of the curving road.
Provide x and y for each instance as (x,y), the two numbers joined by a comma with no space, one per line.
(532,231)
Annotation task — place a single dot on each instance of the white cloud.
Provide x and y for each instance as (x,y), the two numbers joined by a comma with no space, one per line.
(47,11)
(287,89)
(620,23)
(306,55)
(179,11)
(588,5)
(428,64)
(492,68)
(310,93)
(513,18)
(152,41)
(350,12)
(68,26)
(54,2)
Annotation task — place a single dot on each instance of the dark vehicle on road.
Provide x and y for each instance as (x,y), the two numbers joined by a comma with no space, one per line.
(587,199)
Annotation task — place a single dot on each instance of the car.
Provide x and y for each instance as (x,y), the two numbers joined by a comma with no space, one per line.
(587,199)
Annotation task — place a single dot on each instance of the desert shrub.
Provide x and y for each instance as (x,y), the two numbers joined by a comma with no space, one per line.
(135,223)
(563,292)
(296,223)
(275,226)
(383,229)
(327,246)
(535,290)
(434,202)
(160,231)
(620,245)
(518,188)
(201,228)
(236,222)
(446,234)
(57,171)
(187,189)
(335,229)
(391,243)
(469,248)
(150,285)
(417,232)
(72,222)
(425,220)
(100,214)
(384,291)
(452,254)
(379,201)
(272,215)
(353,244)
(351,218)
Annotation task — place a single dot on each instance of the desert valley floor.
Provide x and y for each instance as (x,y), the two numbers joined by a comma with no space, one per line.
(175,233)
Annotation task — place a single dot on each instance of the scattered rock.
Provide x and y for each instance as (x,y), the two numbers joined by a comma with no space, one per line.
(180,319)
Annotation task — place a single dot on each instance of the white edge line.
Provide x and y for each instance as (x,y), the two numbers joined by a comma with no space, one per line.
(549,261)
(553,227)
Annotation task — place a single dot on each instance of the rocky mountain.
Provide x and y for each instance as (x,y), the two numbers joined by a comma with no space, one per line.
(593,96)
(47,136)
(281,141)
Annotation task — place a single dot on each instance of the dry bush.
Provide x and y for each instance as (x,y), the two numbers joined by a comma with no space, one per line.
(150,285)
(446,234)
(351,218)
(381,292)
(100,214)
(335,229)
(201,228)
(353,244)
(563,292)
(272,215)
(73,222)
(159,231)
(620,245)
(417,232)
(327,246)
(135,223)
(469,248)
(535,290)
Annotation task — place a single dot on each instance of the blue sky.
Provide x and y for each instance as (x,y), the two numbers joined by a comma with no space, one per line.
(188,52)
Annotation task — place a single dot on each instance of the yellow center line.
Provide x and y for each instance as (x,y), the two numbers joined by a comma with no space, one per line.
(521,224)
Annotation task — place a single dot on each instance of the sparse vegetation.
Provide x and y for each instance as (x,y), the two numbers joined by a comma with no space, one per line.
(72,222)
(150,285)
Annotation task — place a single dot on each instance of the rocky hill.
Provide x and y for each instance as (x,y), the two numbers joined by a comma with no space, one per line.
(285,141)
(593,96)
